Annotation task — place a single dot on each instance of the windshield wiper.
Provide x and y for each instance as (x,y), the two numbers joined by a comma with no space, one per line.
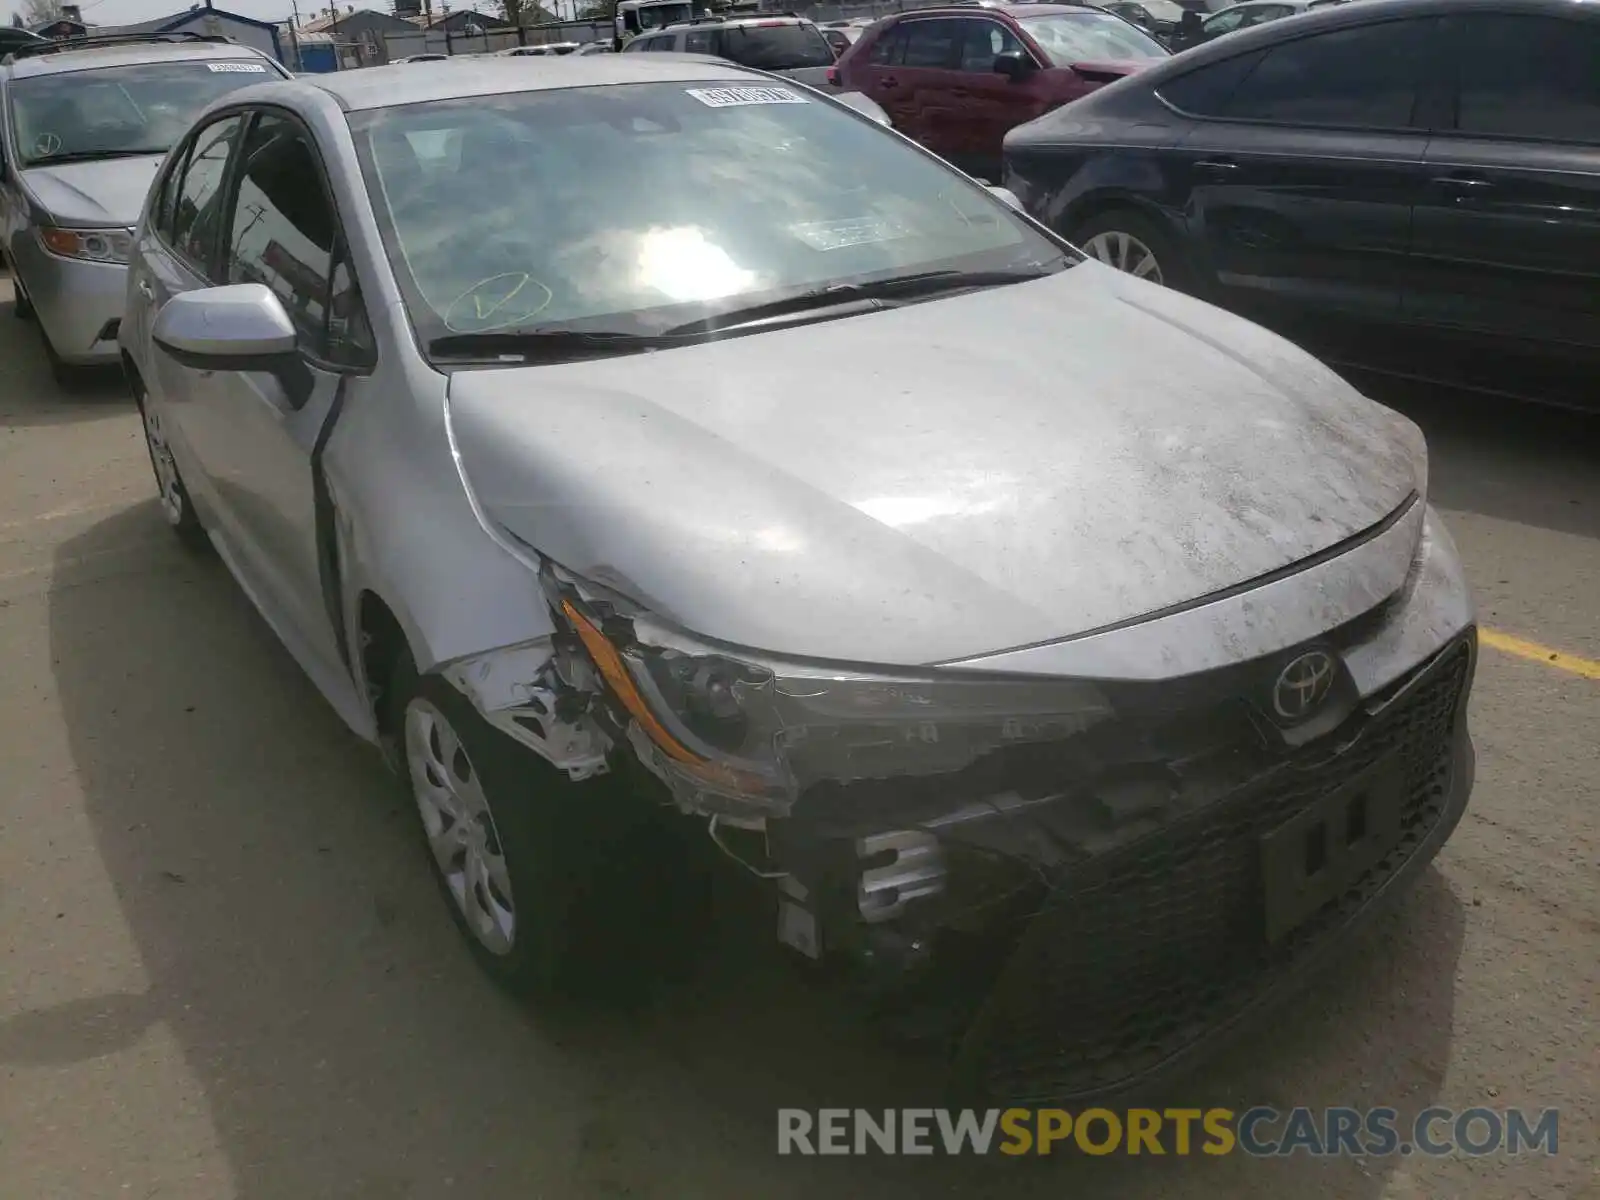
(71,156)
(546,345)
(568,345)
(880,293)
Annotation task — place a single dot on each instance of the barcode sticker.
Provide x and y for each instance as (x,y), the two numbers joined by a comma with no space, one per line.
(728,97)
(237,68)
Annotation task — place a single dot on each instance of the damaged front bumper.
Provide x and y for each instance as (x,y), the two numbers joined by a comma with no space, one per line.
(1076,915)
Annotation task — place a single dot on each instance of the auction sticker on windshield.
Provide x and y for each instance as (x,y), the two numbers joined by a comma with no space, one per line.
(841,235)
(237,68)
(727,97)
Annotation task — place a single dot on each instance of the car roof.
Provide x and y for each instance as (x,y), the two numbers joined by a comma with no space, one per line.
(1343,16)
(764,19)
(128,54)
(416,83)
(1262,4)
(1014,10)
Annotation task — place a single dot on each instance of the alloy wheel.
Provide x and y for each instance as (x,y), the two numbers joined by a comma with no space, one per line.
(459,825)
(1126,253)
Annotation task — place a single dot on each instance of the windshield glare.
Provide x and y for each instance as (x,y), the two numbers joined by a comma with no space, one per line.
(1090,37)
(119,110)
(776,47)
(635,207)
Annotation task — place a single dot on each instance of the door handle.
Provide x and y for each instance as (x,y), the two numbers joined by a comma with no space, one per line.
(1463,183)
(1215,166)
(888,81)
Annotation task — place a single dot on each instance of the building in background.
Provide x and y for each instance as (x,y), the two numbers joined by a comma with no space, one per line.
(214,22)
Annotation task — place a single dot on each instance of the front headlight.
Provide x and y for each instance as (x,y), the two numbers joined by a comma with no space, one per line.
(736,731)
(89,245)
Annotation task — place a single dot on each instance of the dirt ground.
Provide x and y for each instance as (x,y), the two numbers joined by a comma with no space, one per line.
(224,972)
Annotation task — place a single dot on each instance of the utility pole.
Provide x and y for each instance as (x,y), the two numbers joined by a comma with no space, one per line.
(444,7)
(294,34)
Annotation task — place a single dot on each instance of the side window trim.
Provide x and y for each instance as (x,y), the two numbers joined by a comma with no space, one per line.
(338,253)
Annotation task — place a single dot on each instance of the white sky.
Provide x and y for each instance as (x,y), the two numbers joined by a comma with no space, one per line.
(117,12)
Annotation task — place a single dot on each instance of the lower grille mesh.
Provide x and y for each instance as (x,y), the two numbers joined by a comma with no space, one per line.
(1126,965)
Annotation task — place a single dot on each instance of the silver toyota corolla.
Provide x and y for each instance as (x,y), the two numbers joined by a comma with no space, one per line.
(1069,655)
(83,127)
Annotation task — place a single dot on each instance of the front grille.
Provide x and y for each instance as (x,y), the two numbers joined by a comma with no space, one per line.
(1148,950)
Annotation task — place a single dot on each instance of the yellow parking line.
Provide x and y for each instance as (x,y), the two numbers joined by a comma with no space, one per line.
(1534,652)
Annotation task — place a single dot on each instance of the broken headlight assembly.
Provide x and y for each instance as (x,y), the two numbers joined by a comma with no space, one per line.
(735,732)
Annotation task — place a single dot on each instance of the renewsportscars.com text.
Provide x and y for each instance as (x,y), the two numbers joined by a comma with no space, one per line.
(1259,1132)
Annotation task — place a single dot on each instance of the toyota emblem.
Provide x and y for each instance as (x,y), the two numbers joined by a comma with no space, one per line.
(1303,685)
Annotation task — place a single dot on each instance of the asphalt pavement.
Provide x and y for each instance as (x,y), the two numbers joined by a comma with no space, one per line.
(225,972)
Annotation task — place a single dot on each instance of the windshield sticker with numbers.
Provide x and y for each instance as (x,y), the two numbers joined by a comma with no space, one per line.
(237,68)
(841,235)
(728,97)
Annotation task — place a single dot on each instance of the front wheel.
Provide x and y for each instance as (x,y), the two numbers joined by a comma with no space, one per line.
(174,497)
(1132,243)
(559,887)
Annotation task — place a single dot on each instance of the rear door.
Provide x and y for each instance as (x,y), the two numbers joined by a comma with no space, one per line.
(1301,191)
(917,88)
(1508,231)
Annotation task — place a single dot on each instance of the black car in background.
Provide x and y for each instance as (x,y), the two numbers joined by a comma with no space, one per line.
(1411,186)
(1160,18)
(12,38)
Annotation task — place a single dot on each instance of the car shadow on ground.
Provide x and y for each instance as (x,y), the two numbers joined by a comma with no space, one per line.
(297,951)
(28,394)
(1503,458)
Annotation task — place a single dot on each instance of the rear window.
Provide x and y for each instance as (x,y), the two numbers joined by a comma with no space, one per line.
(776,47)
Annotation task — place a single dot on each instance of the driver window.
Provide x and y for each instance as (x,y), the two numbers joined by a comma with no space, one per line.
(282,232)
(984,42)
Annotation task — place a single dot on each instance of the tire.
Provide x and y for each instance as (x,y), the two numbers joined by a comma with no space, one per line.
(175,505)
(1128,241)
(67,376)
(21,306)
(577,866)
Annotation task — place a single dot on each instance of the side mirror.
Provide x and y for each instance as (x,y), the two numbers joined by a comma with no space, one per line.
(1005,194)
(863,104)
(241,327)
(1013,64)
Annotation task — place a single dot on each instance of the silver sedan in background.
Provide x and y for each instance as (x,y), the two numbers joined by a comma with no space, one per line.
(1056,646)
(85,125)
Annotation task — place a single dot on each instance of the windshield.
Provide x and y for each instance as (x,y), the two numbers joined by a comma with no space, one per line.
(776,47)
(1090,37)
(119,110)
(636,208)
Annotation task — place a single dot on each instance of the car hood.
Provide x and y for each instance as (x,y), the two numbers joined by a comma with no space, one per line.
(939,481)
(109,192)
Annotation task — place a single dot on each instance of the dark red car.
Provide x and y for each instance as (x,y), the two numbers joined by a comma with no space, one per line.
(956,79)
